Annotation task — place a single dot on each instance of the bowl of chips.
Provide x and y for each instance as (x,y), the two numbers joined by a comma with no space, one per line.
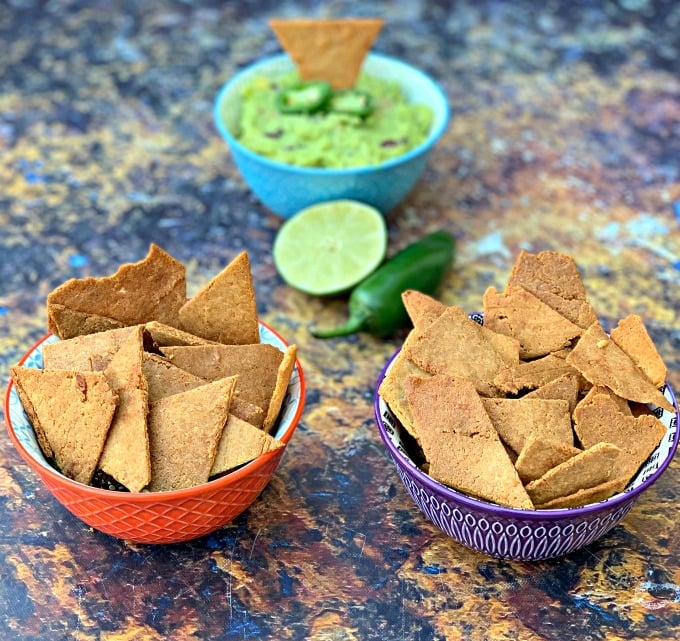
(293,160)
(144,430)
(517,451)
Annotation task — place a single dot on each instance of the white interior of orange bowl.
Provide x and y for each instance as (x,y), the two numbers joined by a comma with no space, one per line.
(417,87)
(26,436)
(656,460)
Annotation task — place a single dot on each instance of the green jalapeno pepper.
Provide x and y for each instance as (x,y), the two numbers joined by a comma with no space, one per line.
(352,102)
(304,97)
(375,304)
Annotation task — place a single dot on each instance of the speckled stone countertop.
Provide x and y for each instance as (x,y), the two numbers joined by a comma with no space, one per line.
(565,135)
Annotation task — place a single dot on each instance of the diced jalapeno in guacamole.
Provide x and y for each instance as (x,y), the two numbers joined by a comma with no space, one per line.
(336,138)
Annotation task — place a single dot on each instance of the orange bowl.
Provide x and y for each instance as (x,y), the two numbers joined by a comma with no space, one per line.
(158,517)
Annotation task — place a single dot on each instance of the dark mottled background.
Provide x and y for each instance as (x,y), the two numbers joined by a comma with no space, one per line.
(565,135)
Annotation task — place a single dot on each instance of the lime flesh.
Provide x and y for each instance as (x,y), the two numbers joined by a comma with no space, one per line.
(330,247)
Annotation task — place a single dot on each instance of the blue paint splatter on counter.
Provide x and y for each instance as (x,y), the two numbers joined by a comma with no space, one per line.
(676,210)
(4,310)
(78,261)
(286,583)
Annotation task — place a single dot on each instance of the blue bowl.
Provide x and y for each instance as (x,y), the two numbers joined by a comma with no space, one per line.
(286,189)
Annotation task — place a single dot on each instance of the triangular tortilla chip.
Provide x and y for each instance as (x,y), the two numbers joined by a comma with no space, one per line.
(457,346)
(459,441)
(566,387)
(241,443)
(151,289)
(283,375)
(184,431)
(584,497)
(515,419)
(165,379)
(603,362)
(533,374)
(69,323)
(631,336)
(163,335)
(422,309)
(601,420)
(126,452)
(224,310)
(539,329)
(328,49)
(596,390)
(91,352)
(593,466)
(257,367)
(72,412)
(554,278)
(540,455)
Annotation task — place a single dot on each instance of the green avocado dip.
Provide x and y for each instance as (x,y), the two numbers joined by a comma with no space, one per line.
(326,138)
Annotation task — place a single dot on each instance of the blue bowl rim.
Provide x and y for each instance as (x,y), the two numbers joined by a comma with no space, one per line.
(424,146)
(517,513)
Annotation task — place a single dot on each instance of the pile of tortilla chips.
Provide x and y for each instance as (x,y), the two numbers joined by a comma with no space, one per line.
(150,389)
(538,407)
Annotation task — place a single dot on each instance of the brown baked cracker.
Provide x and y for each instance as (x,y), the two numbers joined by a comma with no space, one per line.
(162,335)
(554,278)
(517,418)
(566,387)
(541,454)
(328,49)
(165,379)
(246,411)
(603,362)
(241,443)
(257,367)
(151,289)
(421,308)
(596,390)
(184,431)
(595,465)
(224,310)
(91,352)
(68,323)
(455,345)
(584,497)
(125,456)
(460,443)
(533,374)
(71,412)
(632,337)
(602,420)
(394,394)
(283,374)
(538,327)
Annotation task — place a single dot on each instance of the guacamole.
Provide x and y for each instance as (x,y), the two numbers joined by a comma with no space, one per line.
(329,139)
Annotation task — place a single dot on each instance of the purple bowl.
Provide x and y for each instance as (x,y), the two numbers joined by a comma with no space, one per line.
(508,533)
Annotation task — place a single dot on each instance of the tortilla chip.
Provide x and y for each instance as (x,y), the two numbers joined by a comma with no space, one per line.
(91,352)
(224,310)
(247,412)
(257,367)
(184,431)
(516,418)
(603,362)
(68,323)
(71,414)
(283,375)
(539,455)
(621,403)
(422,309)
(566,387)
(459,441)
(533,374)
(601,420)
(162,335)
(539,329)
(457,346)
(151,289)
(241,443)
(584,497)
(165,379)
(332,49)
(554,278)
(126,452)
(631,336)
(595,465)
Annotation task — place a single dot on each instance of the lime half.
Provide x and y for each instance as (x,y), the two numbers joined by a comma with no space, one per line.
(330,247)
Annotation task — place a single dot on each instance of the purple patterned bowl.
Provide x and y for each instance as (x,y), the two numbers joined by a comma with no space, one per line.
(508,533)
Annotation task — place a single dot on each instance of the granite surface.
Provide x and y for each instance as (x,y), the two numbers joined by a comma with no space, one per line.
(565,135)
